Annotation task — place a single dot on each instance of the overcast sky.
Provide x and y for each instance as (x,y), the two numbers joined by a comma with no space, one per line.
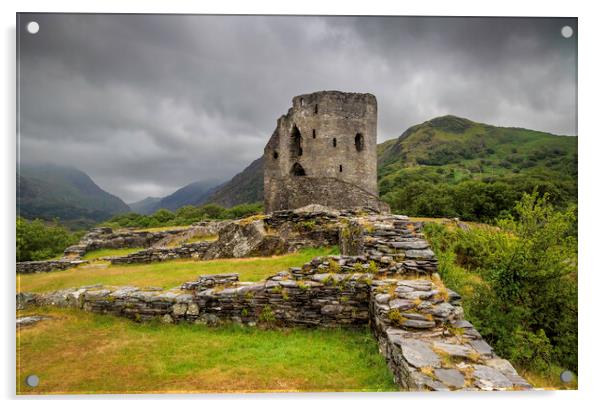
(146,103)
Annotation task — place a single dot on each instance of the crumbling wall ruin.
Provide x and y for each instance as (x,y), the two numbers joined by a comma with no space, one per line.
(323,151)
(392,286)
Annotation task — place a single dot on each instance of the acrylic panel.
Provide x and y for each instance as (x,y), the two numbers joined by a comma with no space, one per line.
(242,204)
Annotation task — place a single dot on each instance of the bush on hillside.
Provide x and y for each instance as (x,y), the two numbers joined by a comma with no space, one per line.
(519,281)
(38,240)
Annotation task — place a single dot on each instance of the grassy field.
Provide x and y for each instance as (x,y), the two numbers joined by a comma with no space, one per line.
(87,353)
(165,274)
(110,252)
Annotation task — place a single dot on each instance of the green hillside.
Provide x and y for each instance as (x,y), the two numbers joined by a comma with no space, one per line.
(51,191)
(450,166)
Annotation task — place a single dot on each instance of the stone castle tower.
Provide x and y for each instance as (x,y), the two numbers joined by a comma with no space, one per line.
(323,151)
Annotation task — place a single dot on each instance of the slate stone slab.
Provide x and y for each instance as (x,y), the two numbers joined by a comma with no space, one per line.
(454,350)
(419,354)
(401,304)
(488,378)
(420,254)
(418,324)
(482,347)
(450,376)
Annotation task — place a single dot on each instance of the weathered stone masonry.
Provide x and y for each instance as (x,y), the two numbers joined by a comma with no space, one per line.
(390,285)
(323,151)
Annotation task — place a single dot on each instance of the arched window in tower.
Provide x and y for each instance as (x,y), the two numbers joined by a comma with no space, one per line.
(359,142)
(297,170)
(340,168)
(296,149)
(316,109)
(275,155)
(314,133)
(334,142)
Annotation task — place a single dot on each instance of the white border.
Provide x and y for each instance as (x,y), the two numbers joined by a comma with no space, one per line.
(590,125)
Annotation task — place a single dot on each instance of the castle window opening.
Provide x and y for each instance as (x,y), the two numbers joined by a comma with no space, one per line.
(316,109)
(314,133)
(359,142)
(298,170)
(275,155)
(340,168)
(296,149)
(302,102)
(334,142)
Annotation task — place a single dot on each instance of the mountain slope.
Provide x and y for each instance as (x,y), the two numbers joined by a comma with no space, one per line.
(51,191)
(191,194)
(453,140)
(145,206)
(453,167)
(245,187)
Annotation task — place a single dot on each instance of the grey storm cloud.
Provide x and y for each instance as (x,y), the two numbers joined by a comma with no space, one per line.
(148,103)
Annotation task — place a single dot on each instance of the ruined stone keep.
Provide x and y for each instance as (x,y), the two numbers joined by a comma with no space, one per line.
(323,151)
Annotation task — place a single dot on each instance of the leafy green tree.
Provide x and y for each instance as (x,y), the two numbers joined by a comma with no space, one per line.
(163,216)
(37,240)
(213,211)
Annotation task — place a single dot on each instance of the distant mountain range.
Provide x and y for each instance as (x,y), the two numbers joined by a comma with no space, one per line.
(191,194)
(50,191)
(145,206)
(245,187)
(446,149)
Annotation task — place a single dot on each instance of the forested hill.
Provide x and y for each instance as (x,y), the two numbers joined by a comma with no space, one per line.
(454,167)
(450,166)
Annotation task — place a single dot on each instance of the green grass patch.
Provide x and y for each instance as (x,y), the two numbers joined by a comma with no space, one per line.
(110,252)
(79,352)
(163,228)
(166,274)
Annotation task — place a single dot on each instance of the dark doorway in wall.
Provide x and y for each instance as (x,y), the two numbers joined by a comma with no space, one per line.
(297,170)
(359,142)
(296,149)
(334,142)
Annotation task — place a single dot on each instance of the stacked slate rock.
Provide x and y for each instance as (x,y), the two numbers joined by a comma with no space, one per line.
(194,250)
(290,299)
(47,266)
(429,346)
(400,244)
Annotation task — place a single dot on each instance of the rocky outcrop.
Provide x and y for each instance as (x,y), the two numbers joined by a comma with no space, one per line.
(245,238)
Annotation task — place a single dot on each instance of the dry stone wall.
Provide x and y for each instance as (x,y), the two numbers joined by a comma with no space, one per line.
(195,250)
(47,266)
